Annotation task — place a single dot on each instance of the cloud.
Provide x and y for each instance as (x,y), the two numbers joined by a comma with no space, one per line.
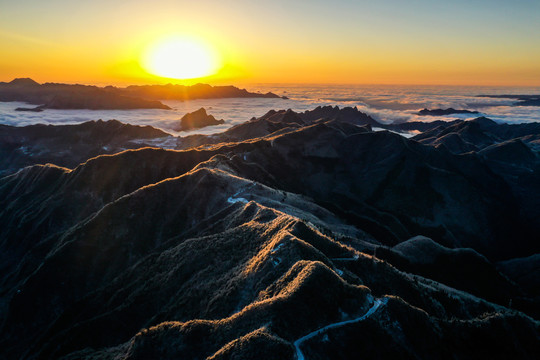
(401,106)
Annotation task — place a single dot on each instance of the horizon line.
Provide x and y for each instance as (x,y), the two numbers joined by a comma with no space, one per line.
(189,82)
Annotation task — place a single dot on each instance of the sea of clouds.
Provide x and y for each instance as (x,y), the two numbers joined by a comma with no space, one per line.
(386,104)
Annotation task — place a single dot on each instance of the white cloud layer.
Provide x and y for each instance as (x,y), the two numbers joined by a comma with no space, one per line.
(384,103)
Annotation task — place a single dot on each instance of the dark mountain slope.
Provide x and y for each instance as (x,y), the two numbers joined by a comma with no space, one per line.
(283,121)
(296,243)
(461,268)
(347,114)
(524,271)
(510,151)
(380,173)
(480,132)
(41,202)
(89,252)
(69,145)
(421,126)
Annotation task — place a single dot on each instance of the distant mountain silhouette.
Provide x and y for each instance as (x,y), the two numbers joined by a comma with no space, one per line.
(182,92)
(64,96)
(524,100)
(441,112)
(25,82)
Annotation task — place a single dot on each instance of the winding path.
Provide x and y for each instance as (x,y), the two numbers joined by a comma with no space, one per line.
(376,304)
(234,199)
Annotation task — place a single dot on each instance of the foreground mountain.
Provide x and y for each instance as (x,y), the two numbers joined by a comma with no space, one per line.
(299,235)
(66,96)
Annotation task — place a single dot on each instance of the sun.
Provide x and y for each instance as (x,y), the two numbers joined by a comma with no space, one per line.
(181,57)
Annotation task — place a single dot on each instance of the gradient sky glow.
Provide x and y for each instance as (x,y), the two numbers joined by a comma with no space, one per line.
(474,42)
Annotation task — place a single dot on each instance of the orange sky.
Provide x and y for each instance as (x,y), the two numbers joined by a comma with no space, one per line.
(388,42)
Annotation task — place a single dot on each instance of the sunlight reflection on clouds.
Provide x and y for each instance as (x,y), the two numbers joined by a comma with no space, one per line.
(385,103)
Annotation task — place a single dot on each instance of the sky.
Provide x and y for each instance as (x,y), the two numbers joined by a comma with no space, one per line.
(474,42)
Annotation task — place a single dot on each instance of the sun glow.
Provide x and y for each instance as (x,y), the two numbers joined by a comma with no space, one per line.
(181,58)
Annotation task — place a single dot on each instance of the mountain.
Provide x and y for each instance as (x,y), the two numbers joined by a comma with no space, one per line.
(69,145)
(481,131)
(300,235)
(282,121)
(509,150)
(66,96)
(441,112)
(182,92)
(22,82)
(523,100)
(197,119)
(419,126)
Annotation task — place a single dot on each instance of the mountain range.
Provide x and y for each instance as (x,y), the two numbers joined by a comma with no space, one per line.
(295,235)
(68,96)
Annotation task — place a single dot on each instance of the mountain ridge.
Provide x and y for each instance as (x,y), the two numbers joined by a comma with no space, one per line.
(291,223)
(76,96)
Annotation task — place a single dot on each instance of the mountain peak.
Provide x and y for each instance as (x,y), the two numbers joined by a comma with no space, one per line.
(23,82)
(484,121)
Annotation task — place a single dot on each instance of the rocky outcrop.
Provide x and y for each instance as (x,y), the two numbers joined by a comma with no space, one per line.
(196,120)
